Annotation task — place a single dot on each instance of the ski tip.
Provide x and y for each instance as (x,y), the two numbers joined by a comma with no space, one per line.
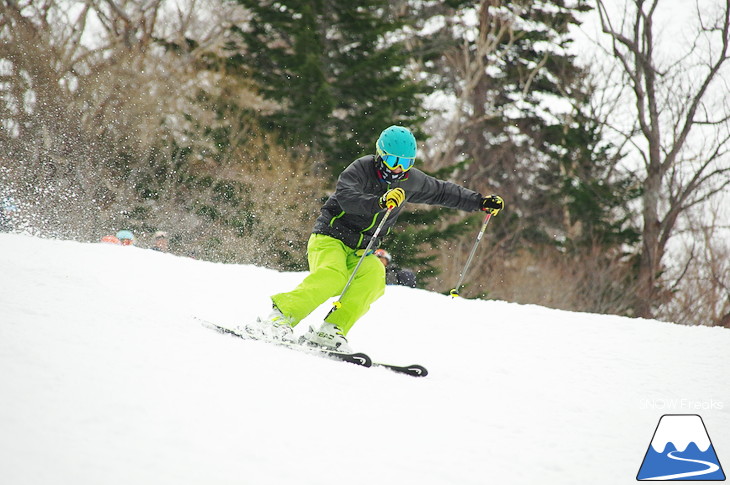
(364,359)
(417,370)
(358,358)
(413,370)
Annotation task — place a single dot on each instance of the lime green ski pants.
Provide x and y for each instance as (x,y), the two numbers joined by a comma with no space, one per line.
(330,265)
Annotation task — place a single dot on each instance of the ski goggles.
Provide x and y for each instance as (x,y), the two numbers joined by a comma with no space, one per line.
(394,161)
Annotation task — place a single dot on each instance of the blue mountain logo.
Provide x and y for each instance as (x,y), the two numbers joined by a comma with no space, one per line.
(681,450)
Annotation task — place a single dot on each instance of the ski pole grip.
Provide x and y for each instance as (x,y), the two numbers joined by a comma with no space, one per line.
(454,293)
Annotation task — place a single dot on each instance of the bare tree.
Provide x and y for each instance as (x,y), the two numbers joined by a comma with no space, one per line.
(109,111)
(106,63)
(79,84)
(681,114)
(702,276)
(469,62)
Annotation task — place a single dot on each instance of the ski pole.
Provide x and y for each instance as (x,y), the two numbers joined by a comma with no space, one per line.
(455,292)
(338,303)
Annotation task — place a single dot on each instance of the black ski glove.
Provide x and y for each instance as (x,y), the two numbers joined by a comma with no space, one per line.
(492,204)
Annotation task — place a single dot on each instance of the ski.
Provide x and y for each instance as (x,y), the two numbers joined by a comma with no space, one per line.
(414,370)
(357,358)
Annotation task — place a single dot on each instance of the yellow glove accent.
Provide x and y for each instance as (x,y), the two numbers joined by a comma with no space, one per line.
(393,198)
(492,204)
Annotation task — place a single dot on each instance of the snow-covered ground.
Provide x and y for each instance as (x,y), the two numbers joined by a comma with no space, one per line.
(106,377)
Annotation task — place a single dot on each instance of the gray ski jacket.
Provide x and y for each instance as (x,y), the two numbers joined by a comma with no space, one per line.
(353,213)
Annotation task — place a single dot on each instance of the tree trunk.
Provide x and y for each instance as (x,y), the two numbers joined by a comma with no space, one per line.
(649,260)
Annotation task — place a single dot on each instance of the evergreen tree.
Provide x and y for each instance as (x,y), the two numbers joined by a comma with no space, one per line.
(335,70)
(589,195)
(518,123)
(524,125)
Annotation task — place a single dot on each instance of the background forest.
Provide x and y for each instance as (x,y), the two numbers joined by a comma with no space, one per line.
(226,123)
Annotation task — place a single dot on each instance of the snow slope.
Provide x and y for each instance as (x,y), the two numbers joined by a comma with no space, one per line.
(107,378)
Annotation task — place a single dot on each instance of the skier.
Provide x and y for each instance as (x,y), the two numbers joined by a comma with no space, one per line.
(365,190)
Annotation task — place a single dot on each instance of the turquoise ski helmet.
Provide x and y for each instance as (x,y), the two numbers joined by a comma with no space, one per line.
(126,238)
(396,147)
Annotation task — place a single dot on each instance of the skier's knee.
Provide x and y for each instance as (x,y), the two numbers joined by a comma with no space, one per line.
(336,279)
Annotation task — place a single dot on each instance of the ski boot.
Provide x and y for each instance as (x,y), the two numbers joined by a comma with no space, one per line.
(329,336)
(276,326)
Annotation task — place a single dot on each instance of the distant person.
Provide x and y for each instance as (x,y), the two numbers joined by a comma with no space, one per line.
(393,274)
(161,243)
(8,214)
(384,256)
(126,238)
(111,239)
